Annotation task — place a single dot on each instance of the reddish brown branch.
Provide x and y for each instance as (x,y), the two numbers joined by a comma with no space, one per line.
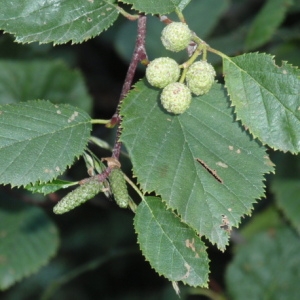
(139,54)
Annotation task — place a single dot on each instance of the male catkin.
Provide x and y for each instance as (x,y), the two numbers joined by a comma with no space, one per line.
(78,196)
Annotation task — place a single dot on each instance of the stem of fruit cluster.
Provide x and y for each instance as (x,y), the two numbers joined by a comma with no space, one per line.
(126,14)
(180,15)
(186,64)
(217,52)
(204,55)
(199,42)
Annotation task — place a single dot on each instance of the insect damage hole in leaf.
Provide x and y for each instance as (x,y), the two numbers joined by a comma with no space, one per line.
(226,223)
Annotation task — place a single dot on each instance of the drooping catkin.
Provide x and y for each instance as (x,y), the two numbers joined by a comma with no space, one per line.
(78,196)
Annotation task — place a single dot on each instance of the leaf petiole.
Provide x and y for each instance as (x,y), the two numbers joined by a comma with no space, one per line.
(99,121)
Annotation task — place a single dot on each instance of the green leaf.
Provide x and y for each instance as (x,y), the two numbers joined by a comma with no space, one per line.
(287,195)
(39,140)
(266,22)
(28,240)
(49,187)
(58,21)
(41,79)
(175,156)
(171,247)
(158,6)
(266,98)
(266,268)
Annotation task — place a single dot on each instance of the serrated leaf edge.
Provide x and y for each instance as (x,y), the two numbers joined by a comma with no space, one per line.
(19,39)
(249,213)
(173,210)
(160,274)
(234,107)
(148,13)
(58,173)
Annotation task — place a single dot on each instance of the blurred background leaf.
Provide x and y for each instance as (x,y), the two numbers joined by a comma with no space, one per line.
(272,272)
(42,79)
(28,239)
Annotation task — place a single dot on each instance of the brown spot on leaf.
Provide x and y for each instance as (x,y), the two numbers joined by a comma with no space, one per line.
(188,271)
(221,164)
(225,224)
(191,245)
(73,116)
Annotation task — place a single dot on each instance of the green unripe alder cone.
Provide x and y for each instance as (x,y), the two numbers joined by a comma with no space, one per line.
(118,187)
(162,71)
(78,196)
(176,98)
(200,76)
(176,36)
